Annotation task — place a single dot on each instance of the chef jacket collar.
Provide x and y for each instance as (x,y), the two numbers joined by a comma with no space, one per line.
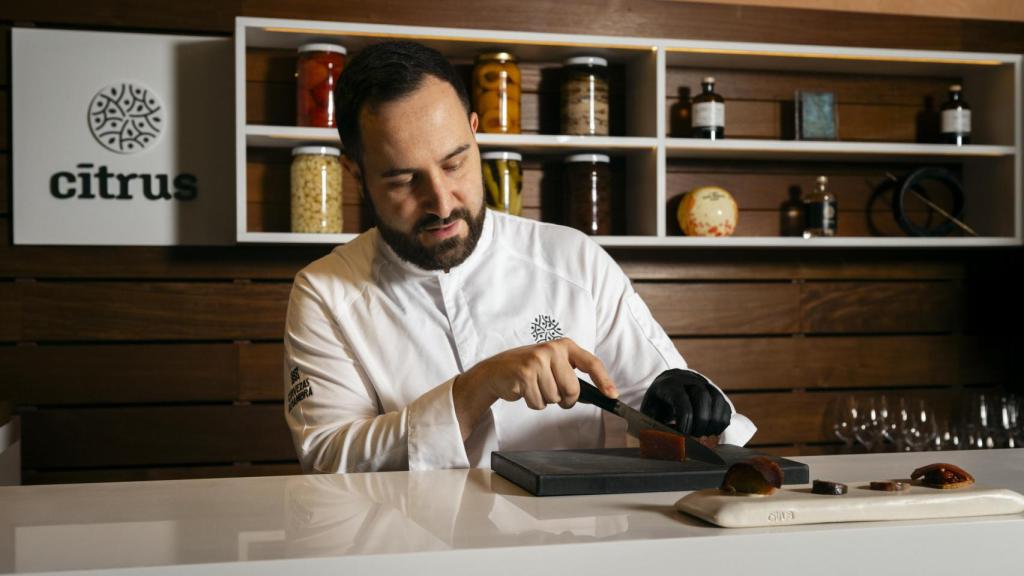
(390,257)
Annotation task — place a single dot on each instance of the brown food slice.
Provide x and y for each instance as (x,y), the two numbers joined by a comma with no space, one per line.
(662,445)
(890,486)
(759,475)
(942,475)
(829,488)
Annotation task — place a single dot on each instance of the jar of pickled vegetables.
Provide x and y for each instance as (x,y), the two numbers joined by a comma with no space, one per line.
(316,73)
(503,181)
(585,96)
(589,198)
(496,93)
(316,189)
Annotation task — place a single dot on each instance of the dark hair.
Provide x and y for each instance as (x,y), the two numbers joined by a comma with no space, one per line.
(383,73)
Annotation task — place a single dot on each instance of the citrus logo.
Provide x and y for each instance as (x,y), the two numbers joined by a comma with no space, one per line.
(126,118)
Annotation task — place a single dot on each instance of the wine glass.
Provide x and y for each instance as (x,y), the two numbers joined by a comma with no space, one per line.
(868,426)
(923,428)
(844,417)
(979,423)
(1008,423)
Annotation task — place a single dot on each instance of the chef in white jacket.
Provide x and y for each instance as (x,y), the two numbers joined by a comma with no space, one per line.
(448,330)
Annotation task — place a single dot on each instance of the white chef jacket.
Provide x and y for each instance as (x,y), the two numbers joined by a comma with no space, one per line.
(373,343)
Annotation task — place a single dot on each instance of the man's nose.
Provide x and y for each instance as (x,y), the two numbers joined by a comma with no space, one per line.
(438,195)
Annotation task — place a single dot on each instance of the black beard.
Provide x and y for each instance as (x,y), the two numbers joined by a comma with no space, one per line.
(444,255)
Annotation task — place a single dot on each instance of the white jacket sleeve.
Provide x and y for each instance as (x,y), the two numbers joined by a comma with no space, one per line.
(635,348)
(333,412)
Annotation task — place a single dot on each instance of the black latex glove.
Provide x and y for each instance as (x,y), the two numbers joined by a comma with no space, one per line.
(687,402)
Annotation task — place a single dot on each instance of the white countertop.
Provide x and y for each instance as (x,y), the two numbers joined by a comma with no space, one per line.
(473,522)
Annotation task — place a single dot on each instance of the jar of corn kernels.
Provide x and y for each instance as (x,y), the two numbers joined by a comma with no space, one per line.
(316,189)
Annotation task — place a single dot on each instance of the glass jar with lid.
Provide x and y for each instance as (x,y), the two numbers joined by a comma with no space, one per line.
(589,197)
(316,73)
(585,96)
(316,189)
(497,92)
(503,181)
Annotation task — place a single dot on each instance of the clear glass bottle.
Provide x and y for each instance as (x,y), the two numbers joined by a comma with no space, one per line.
(708,114)
(956,118)
(821,211)
(316,189)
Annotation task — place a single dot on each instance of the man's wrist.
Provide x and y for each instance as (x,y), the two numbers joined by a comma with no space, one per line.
(471,401)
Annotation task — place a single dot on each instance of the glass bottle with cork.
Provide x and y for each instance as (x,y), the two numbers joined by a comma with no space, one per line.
(956,118)
(708,112)
(821,211)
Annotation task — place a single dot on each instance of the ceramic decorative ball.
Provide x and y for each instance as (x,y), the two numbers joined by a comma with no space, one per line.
(708,211)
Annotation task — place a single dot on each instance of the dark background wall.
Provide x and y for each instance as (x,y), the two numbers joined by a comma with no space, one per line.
(134,363)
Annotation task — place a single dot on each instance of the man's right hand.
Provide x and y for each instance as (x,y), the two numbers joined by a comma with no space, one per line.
(540,374)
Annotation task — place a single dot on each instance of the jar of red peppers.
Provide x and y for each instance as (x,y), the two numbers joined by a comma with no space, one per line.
(316,72)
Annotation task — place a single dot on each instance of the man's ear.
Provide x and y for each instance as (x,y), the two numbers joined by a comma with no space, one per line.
(352,168)
(474,121)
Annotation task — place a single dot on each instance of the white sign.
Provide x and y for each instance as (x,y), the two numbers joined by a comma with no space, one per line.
(122,138)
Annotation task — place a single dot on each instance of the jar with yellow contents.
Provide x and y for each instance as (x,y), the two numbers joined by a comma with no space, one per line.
(316,189)
(496,93)
(503,181)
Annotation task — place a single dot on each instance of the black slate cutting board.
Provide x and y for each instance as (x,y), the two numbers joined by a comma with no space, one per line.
(620,470)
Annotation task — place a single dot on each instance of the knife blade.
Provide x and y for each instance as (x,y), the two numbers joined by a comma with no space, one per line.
(637,421)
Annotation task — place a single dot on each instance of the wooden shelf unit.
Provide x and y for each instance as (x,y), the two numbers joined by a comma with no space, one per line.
(879,93)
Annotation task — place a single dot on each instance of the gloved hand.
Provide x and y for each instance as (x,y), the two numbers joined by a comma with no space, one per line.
(688,402)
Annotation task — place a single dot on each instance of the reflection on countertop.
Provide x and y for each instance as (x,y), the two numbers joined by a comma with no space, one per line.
(392,514)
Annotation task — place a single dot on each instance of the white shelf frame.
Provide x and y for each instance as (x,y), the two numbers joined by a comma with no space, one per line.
(648,153)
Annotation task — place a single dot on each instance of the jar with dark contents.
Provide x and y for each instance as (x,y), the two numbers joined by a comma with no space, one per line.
(585,96)
(589,193)
(497,88)
(316,74)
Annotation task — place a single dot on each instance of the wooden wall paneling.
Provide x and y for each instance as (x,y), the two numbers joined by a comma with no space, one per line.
(5,55)
(120,373)
(261,371)
(705,309)
(760,104)
(10,312)
(30,477)
(644,18)
(755,85)
(146,263)
(155,436)
(862,307)
(5,125)
(5,183)
(842,362)
(801,417)
(725,264)
(84,311)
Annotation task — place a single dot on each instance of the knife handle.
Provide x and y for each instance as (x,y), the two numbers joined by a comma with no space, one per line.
(590,394)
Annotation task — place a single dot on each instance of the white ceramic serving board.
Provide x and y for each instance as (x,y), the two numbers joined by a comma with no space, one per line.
(798,505)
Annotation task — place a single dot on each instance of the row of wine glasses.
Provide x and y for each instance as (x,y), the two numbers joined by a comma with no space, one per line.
(908,423)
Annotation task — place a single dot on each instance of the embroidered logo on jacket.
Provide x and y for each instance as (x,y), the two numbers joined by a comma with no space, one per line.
(300,389)
(545,328)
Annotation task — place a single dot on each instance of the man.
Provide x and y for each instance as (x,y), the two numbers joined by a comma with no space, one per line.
(444,332)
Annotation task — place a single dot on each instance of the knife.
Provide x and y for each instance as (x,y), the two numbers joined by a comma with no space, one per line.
(637,421)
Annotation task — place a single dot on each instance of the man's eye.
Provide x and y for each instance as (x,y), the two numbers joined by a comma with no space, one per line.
(455,166)
(401,183)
